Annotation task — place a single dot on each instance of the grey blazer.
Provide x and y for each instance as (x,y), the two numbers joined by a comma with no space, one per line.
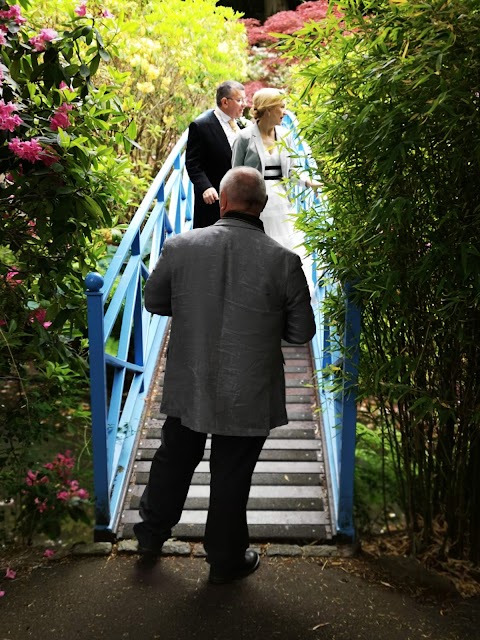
(248,151)
(233,294)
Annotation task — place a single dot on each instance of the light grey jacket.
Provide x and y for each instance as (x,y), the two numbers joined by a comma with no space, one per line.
(233,294)
(248,150)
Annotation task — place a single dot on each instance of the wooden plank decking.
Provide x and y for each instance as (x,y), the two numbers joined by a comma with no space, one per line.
(289,497)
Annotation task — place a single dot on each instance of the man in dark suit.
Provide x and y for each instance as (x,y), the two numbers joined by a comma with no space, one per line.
(209,150)
(233,293)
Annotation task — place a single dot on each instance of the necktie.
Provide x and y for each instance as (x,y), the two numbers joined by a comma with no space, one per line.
(233,125)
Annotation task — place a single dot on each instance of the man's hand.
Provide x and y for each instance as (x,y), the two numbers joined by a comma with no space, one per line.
(210,195)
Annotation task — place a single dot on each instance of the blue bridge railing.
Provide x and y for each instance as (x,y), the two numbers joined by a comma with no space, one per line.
(120,381)
(125,343)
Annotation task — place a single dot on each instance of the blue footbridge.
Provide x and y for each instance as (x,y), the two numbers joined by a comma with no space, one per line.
(303,484)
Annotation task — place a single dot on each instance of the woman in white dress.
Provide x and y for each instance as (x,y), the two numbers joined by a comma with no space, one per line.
(266,146)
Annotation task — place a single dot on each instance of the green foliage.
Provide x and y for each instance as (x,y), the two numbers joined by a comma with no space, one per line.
(63,176)
(50,495)
(377,498)
(389,101)
(170,55)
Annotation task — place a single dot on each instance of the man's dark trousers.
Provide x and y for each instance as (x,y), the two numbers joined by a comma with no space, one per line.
(232,461)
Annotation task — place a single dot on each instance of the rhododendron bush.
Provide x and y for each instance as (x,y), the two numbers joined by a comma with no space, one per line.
(267,67)
(50,495)
(62,176)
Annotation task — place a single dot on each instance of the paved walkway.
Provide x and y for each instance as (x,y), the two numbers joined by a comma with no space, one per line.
(287,598)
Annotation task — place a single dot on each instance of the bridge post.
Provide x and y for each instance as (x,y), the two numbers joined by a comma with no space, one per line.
(351,344)
(98,393)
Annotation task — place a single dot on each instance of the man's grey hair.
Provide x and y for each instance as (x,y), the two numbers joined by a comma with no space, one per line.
(246,186)
(226,88)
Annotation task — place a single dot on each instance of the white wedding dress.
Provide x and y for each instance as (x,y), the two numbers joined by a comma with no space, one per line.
(278,217)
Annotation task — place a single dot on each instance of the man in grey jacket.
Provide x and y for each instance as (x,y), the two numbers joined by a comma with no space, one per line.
(233,294)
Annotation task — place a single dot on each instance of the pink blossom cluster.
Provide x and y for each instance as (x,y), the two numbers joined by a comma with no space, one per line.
(39,315)
(73,491)
(39,42)
(81,10)
(284,22)
(32,151)
(61,120)
(13,13)
(9,120)
(58,475)
(3,40)
(61,461)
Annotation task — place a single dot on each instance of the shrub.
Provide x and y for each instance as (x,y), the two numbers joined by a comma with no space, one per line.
(63,176)
(49,496)
(390,108)
(267,67)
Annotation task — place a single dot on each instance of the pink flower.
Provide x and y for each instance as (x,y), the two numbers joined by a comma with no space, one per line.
(106,14)
(61,120)
(44,480)
(66,460)
(40,315)
(3,40)
(31,478)
(82,494)
(45,35)
(2,593)
(8,122)
(49,465)
(48,553)
(63,496)
(41,505)
(26,150)
(63,85)
(11,279)
(38,43)
(81,10)
(14,13)
(10,574)
(48,34)
(74,485)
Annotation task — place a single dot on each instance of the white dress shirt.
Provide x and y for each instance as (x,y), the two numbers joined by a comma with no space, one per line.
(224,119)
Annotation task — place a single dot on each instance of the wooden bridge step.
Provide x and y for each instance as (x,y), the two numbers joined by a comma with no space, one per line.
(261,467)
(257,491)
(291,456)
(287,443)
(298,429)
(254,517)
(300,479)
(288,498)
(263,532)
(254,504)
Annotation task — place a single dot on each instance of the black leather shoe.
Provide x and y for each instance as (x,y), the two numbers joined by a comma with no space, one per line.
(147,560)
(248,566)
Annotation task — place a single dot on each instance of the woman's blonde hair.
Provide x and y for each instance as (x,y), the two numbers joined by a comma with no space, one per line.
(265,98)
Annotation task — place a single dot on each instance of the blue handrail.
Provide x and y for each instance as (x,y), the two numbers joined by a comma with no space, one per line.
(333,352)
(115,306)
(120,381)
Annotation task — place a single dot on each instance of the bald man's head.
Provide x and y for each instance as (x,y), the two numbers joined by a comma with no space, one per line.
(243,189)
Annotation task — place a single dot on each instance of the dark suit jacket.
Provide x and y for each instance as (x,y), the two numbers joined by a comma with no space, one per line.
(208,158)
